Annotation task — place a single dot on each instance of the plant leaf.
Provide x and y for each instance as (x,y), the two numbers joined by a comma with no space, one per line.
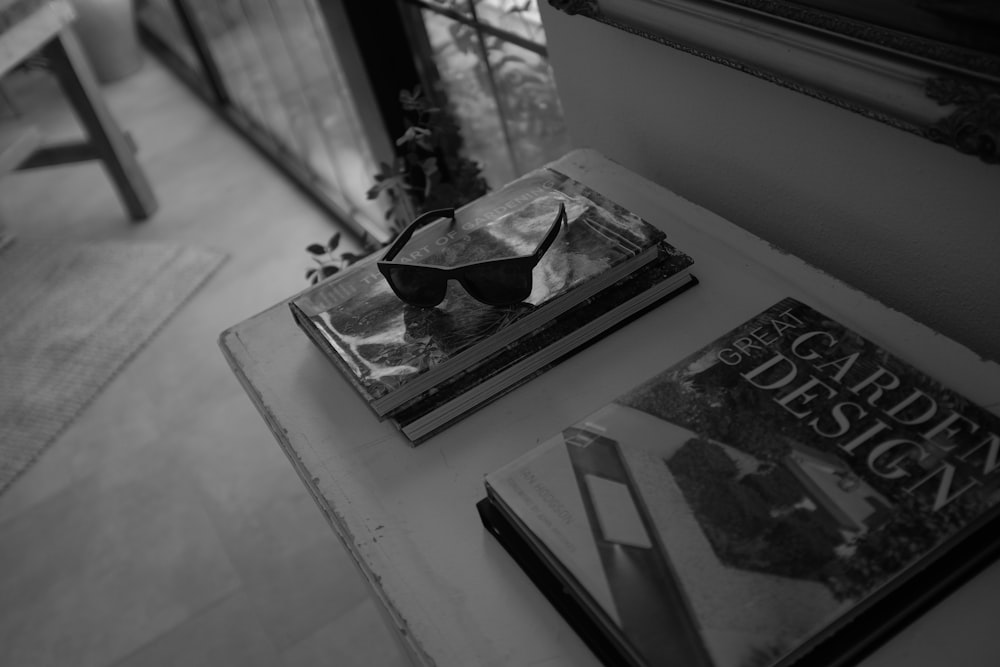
(387,183)
(316,249)
(429,166)
(416,134)
(334,241)
(411,101)
(507,59)
(517,9)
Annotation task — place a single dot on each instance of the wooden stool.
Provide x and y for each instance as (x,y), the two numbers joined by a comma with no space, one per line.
(43,27)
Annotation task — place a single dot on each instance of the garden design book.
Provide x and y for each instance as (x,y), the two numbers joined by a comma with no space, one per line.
(791,493)
(393,352)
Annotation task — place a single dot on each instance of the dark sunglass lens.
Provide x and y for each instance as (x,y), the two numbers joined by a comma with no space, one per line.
(416,286)
(498,284)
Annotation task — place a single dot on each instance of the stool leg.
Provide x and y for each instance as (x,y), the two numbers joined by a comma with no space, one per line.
(111,145)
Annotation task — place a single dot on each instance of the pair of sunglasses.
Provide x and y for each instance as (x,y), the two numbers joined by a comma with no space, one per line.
(495,282)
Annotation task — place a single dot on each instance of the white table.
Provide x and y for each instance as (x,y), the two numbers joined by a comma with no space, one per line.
(408,514)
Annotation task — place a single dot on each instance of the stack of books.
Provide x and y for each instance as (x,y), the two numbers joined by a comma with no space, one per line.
(424,368)
(789,494)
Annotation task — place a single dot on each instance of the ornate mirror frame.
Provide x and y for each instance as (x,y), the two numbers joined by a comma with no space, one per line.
(945,90)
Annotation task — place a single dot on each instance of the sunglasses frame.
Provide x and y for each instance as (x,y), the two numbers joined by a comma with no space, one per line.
(525,263)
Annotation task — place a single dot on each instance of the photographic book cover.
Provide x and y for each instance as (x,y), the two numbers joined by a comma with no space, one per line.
(393,351)
(745,504)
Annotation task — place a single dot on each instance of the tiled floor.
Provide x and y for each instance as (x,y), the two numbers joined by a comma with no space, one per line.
(165,526)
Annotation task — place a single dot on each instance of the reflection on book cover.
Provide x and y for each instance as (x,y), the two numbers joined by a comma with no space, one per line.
(385,343)
(646,595)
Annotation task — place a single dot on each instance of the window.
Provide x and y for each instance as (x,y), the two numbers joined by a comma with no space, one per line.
(487,61)
(316,84)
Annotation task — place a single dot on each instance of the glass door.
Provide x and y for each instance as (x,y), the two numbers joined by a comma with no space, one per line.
(275,72)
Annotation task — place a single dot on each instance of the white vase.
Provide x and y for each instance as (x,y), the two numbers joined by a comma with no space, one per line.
(109,36)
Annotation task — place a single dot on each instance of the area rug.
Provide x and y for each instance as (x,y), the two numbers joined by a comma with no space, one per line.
(71,317)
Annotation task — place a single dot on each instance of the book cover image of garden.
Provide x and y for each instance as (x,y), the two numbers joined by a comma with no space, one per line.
(792,469)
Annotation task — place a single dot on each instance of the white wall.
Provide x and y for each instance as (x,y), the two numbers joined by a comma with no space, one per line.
(914,224)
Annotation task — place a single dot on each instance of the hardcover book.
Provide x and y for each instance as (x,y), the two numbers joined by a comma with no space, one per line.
(550,343)
(791,493)
(393,352)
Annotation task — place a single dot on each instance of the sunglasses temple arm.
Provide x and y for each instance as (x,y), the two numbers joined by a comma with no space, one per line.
(417,223)
(553,232)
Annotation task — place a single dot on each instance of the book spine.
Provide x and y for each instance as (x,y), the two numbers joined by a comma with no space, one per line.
(405,422)
(307,325)
(589,630)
